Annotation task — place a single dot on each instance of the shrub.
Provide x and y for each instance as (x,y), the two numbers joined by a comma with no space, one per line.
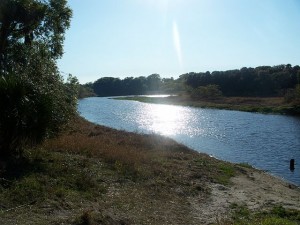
(25,116)
(293,95)
(206,92)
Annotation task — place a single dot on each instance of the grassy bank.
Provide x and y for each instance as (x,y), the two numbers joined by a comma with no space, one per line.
(247,104)
(96,175)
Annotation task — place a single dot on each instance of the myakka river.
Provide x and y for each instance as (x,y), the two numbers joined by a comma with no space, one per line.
(267,142)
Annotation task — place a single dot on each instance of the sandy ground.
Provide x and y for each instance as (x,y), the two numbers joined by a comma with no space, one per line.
(254,189)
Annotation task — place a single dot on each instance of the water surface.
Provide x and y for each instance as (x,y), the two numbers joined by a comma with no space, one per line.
(267,142)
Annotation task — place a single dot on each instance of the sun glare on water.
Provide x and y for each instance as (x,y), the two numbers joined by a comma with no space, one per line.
(165,119)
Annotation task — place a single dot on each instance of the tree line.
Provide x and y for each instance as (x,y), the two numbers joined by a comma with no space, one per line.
(152,84)
(262,81)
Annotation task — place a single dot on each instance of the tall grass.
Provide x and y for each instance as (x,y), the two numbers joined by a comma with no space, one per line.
(128,153)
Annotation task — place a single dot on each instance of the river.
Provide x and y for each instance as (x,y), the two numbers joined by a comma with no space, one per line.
(267,142)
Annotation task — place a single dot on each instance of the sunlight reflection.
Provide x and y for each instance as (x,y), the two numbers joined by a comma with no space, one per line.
(166,119)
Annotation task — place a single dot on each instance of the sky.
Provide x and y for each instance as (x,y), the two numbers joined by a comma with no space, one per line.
(132,38)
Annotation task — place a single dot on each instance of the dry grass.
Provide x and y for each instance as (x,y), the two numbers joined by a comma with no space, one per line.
(130,152)
(92,174)
(251,101)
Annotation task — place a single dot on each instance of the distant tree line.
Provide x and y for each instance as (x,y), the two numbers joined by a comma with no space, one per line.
(153,84)
(263,81)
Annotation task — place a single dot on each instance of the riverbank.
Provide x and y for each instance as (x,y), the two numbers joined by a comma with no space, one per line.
(247,104)
(92,174)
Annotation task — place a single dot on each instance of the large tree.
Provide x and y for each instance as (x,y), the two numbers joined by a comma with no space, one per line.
(34,100)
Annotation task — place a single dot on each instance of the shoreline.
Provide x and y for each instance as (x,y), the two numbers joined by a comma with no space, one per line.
(108,176)
(270,105)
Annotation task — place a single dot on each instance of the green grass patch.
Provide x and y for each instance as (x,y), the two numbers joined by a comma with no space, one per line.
(245,165)
(58,176)
(26,190)
(278,215)
(226,171)
(220,172)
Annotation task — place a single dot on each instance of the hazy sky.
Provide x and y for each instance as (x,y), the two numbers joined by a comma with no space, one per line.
(122,38)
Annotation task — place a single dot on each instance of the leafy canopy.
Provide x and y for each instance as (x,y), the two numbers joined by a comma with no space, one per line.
(24,22)
(35,103)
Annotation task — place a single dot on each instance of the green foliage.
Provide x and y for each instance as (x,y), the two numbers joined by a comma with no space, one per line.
(25,115)
(153,84)
(290,95)
(27,190)
(49,175)
(206,92)
(29,113)
(24,22)
(72,89)
(278,215)
(85,91)
(297,93)
(35,103)
(293,95)
(245,165)
(226,171)
(34,100)
(171,86)
(277,221)
(260,81)
(109,86)
(286,213)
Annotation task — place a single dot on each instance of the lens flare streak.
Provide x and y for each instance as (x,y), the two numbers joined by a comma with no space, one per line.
(177,43)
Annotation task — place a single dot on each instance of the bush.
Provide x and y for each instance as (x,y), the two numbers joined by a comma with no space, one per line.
(25,116)
(293,95)
(206,92)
